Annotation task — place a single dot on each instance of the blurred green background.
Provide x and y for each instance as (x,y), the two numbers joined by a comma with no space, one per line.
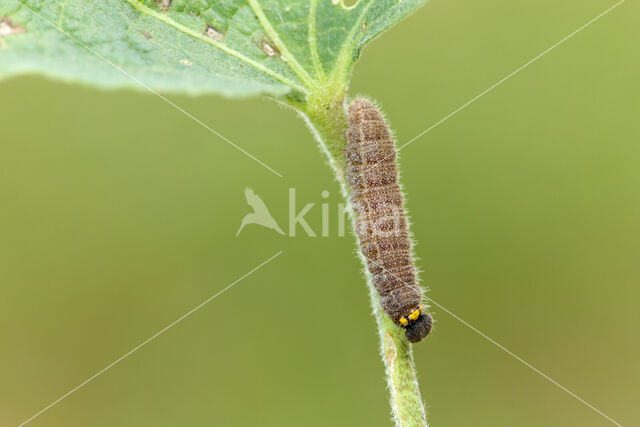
(118,214)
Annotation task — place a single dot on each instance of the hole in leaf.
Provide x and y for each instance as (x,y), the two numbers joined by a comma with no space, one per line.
(8,27)
(163,5)
(269,48)
(212,33)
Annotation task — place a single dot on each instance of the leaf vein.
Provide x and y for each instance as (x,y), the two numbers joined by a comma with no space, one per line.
(341,66)
(313,39)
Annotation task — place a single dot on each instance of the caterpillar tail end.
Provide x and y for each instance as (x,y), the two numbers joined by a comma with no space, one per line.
(418,330)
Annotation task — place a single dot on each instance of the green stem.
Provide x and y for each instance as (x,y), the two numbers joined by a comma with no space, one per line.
(325,115)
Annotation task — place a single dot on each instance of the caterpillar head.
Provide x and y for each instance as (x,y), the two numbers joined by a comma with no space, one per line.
(419,329)
(417,325)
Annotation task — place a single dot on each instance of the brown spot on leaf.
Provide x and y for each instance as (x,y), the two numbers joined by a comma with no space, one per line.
(389,348)
(269,48)
(163,5)
(147,35)
(364,27)
(186,62)
(8,27)
(212,33)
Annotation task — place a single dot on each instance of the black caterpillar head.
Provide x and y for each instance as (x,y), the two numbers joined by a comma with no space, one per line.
(417,330)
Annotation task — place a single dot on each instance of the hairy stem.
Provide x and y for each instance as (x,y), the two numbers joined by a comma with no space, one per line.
(325,115)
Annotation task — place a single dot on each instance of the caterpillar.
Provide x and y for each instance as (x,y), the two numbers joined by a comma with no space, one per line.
(381,224)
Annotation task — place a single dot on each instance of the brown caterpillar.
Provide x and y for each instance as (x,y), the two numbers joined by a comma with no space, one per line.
(381,224)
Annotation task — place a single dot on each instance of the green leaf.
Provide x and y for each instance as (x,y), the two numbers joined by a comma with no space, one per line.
(230,47)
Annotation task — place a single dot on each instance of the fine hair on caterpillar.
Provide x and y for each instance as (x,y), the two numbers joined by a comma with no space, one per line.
(381,223)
